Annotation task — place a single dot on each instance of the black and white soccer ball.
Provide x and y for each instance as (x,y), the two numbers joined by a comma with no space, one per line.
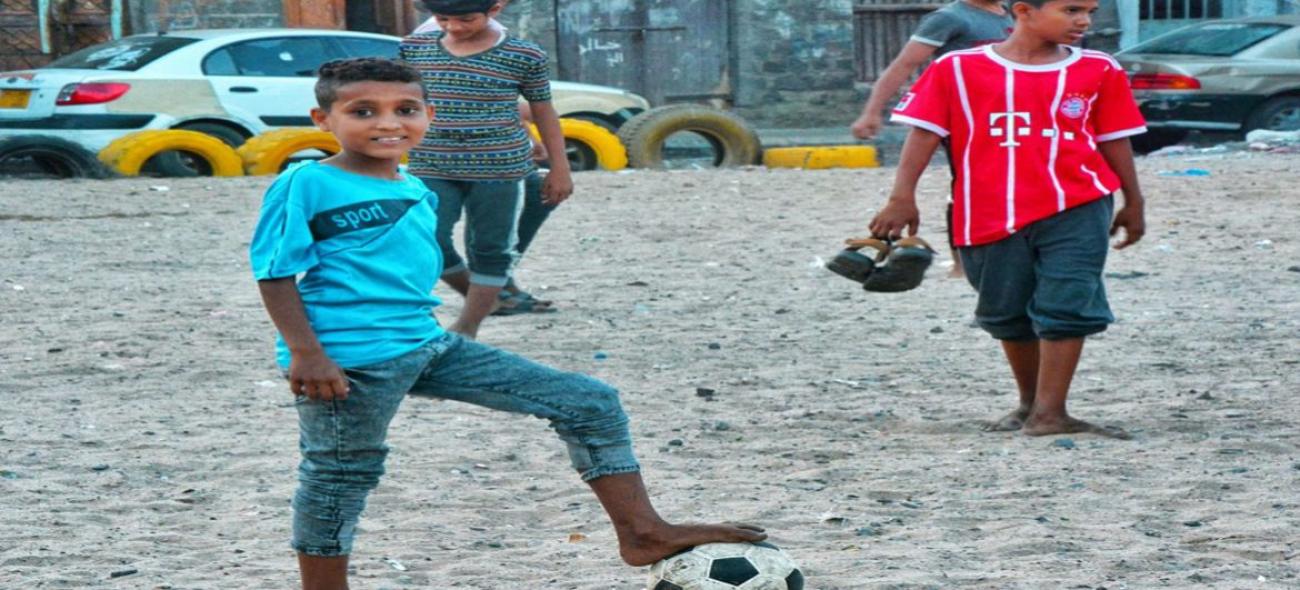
(727,566)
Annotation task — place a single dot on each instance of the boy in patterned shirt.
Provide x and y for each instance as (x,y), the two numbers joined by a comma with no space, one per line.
(477,154)
(1045,125)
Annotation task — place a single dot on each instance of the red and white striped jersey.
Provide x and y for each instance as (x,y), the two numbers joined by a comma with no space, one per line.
(1023,138)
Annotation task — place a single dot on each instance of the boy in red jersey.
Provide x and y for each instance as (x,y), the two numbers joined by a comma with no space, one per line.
(1045,125)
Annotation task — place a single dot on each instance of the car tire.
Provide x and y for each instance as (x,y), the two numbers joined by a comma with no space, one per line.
(52,156)
(1155,139)
(129,153)
(1281,113)
(269,153)
(735,143)
(179,164)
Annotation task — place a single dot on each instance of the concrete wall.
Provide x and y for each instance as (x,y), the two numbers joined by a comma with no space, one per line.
(148,16)
(794,62)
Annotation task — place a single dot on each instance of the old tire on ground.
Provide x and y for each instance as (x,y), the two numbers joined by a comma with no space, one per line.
(128,154)
(644,135)
(269,152)
(589,145)
(48,155)
(177,164)
(604,146)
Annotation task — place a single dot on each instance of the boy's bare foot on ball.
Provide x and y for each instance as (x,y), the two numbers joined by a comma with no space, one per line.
(667,539)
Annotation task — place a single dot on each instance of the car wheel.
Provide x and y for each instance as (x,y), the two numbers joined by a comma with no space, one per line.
(1155,139)
(43,155)
(1276,114)
(179,164)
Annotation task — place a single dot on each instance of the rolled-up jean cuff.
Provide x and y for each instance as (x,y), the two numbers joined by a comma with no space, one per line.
(454,269)
(335,551)
(599,472)
(487,280)
(1071,332)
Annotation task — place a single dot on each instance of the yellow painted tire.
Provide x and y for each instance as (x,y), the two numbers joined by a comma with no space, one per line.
(734,141)
(267,153)
(608,150)
(127,154)
(821,158)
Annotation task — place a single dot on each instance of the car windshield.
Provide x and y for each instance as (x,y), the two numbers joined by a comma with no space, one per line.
(123,55)
(1213,39)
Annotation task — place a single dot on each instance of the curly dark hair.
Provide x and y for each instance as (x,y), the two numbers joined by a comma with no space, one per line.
(336,73)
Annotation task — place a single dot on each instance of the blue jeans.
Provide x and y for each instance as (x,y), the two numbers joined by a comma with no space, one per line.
(342,442)
(534,215)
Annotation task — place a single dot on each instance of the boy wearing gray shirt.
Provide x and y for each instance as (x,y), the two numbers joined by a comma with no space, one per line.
(960,25)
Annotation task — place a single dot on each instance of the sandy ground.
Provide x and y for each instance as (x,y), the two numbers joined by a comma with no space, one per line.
(144,431)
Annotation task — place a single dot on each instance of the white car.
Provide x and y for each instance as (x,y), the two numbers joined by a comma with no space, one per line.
(231,84)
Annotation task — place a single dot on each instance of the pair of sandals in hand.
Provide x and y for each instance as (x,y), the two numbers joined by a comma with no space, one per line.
(898,265)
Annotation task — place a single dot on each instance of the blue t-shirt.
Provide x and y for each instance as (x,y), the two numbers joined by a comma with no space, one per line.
(366,250)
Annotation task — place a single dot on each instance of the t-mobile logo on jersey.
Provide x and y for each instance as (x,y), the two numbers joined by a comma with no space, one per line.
(1008,125)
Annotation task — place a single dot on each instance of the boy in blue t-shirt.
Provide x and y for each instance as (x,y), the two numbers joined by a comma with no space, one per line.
(345,256)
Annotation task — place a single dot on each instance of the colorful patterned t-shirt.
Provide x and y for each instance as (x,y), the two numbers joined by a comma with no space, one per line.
(476,132)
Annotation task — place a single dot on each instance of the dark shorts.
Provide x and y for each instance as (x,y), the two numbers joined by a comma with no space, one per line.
(1045,280)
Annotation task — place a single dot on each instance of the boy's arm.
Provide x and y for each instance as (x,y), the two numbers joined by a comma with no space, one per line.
(526,118)
(311,372)
(559,184)
(901,212)
(1132,217)
(904,65)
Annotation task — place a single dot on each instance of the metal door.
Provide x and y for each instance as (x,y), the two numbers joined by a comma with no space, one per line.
(35,32)
(880,30)
(666,50)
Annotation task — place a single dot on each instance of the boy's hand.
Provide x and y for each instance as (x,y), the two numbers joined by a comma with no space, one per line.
(898,214)
(1133,220)
(317,377)
(557,187)
(868,125)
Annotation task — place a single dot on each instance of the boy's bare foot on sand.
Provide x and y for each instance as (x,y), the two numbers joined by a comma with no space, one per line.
(1011,422)
(1036,426)
(649,547)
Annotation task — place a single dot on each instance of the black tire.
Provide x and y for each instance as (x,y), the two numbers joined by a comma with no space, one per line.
(1155,139)
(734,142)
(44,155)
(1280,113)
(177,164)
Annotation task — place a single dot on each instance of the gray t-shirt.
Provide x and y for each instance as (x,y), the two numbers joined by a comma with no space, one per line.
(962,26)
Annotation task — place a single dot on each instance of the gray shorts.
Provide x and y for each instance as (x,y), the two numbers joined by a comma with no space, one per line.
(1045,280)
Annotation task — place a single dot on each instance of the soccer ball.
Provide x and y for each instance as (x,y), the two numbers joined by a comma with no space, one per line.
(727,566)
